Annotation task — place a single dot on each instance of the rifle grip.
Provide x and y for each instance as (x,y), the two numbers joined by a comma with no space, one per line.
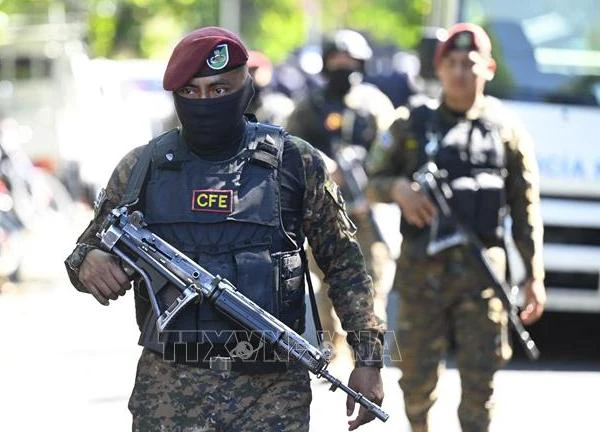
(129,271)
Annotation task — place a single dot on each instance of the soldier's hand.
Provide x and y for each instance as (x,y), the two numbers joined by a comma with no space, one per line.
(366,380)
(416,207)
(102,275)
(535,298)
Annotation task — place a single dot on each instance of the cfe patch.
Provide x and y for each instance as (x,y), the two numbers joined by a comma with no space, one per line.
(220,57)
(212,201)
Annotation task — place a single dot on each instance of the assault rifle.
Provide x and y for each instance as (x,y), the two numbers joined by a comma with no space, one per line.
(349,159)
(161,265)
(432,181)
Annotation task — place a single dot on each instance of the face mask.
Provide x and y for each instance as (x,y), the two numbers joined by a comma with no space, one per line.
(339,82)
(214,125)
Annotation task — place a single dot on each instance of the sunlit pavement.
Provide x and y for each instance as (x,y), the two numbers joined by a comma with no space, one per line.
(68,364)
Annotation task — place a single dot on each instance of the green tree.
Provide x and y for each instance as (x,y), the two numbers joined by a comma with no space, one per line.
(25,6)
(274,27)
(148,28)
(396,21)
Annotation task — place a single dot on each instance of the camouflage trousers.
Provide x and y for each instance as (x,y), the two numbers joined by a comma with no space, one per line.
(445,298)
(172,397)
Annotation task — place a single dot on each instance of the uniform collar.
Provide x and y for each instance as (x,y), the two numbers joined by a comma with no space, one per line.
(475,112)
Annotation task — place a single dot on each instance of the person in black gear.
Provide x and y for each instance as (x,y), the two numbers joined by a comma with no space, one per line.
(346,115)
(268,104)
(239,198)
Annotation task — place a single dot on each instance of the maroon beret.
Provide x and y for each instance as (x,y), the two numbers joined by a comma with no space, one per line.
(203,52)
(465,37)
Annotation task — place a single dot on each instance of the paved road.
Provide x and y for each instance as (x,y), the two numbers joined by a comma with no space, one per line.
(68,364)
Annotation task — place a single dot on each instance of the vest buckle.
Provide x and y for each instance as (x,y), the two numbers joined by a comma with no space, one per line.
(220,364)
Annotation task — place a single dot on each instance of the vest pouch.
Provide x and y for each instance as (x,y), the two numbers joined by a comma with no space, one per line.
(255,276)
(251,272)
(490,209)
(219,264)
(290,298)
(463,201)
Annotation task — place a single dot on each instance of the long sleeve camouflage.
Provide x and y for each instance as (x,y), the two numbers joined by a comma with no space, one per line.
(114,191)
(523,194)
(329,232)
(387,159)
(393,157)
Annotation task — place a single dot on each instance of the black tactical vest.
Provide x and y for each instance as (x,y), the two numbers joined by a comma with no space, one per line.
(225,215)
(336,125)
(473,154)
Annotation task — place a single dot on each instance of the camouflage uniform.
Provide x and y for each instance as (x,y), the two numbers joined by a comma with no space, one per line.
(175,396)
(445,296)
(164,391)
(321,121)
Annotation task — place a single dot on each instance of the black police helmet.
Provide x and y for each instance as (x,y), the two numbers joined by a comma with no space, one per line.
(346,41)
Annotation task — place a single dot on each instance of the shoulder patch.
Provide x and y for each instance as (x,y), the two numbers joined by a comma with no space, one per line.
(99,202)
(333,121)
(410,143)
(334,191)
(336,194)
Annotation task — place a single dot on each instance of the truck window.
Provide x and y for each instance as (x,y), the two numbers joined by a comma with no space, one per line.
(547,50)
(24,68)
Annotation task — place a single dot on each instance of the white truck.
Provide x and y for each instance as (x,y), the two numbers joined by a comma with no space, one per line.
(548,52)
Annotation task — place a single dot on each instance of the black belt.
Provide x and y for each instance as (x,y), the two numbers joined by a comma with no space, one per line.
(218,359)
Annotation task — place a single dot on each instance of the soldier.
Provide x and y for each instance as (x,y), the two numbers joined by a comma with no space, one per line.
(269,105)
(445,295)
(273,193)
(346,113)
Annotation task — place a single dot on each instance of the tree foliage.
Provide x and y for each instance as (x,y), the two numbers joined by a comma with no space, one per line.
(393,21)
(25,6)
(148,28)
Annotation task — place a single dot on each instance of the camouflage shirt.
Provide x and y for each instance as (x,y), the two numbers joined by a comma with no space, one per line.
(328,230)
(395,156)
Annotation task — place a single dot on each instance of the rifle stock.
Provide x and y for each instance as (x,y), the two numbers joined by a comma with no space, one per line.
(158,262)
(430,179)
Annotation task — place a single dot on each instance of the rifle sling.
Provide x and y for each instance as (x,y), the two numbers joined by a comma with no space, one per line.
(139,172)
(313,300)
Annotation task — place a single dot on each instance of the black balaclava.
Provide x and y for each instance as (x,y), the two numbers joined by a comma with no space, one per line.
(338,83)
(214,126)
